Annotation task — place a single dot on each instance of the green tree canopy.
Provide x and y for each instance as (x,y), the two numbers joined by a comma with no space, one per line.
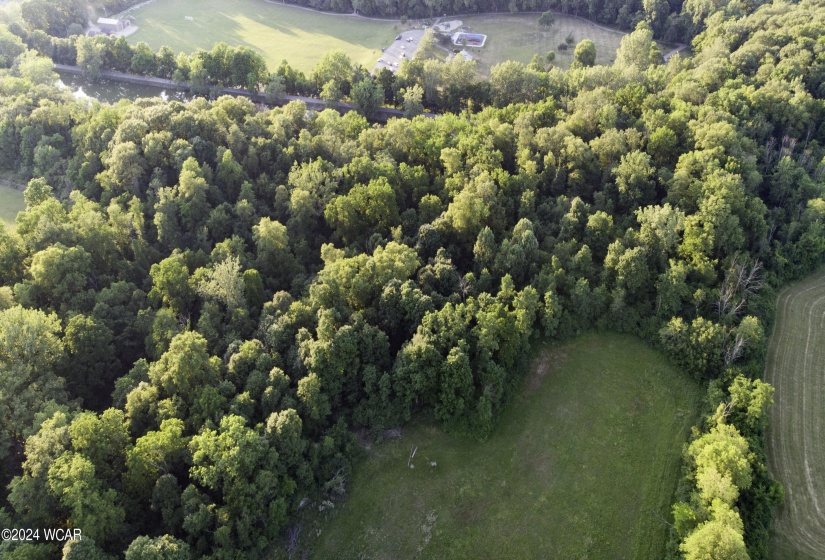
(585,54)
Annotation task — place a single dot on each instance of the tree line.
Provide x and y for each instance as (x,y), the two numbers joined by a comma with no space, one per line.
(425,82)
(203,302)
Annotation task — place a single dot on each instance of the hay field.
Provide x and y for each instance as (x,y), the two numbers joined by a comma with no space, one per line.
(583,464)
(796,439)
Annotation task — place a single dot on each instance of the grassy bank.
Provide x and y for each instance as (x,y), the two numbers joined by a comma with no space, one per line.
(11,202)
(583,465)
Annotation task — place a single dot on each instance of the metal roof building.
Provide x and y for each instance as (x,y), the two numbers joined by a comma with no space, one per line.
(109,25)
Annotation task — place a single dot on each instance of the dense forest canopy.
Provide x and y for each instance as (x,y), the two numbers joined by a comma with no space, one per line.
(203,302)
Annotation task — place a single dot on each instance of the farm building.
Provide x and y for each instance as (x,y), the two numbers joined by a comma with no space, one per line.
(109,25)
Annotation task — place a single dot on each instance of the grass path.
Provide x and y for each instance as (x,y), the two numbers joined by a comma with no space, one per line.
(796,439)
(583,464)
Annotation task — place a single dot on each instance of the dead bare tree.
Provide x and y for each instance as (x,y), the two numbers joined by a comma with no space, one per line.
(770,152)
(742,281)
(788,146)
(723,410)
(807,135)
(806,161)
(463,287)
(734,350)
(771,232)
(391,433)
(337,485)
(292,539)
(665,521)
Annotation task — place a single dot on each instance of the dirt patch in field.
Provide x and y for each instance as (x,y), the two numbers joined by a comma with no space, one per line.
(546,363)
(473,510)
(638,406)
(542,465)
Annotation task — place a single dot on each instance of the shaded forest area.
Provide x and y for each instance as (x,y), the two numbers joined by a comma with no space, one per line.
(203,303)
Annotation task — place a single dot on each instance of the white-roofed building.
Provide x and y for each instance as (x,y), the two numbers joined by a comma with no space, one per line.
(109,25)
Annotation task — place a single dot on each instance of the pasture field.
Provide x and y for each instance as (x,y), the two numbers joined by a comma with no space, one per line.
(583,464)
(518,37)
(11,202)
(277,31)
(796,438)
(280,31)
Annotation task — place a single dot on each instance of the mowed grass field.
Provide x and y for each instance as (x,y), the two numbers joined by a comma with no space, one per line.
(277,31)
(796,439)
(519,37)
(280,31)
(11,202)
(583,465)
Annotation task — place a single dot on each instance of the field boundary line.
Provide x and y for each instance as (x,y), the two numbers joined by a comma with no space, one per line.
(11,184)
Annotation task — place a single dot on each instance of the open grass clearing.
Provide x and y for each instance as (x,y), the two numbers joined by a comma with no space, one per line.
(518,37)
(796,438)
(280,31)
(583,464)
(277,31)
(11,202)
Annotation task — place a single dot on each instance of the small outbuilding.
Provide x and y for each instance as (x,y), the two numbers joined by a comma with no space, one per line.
(109,25)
